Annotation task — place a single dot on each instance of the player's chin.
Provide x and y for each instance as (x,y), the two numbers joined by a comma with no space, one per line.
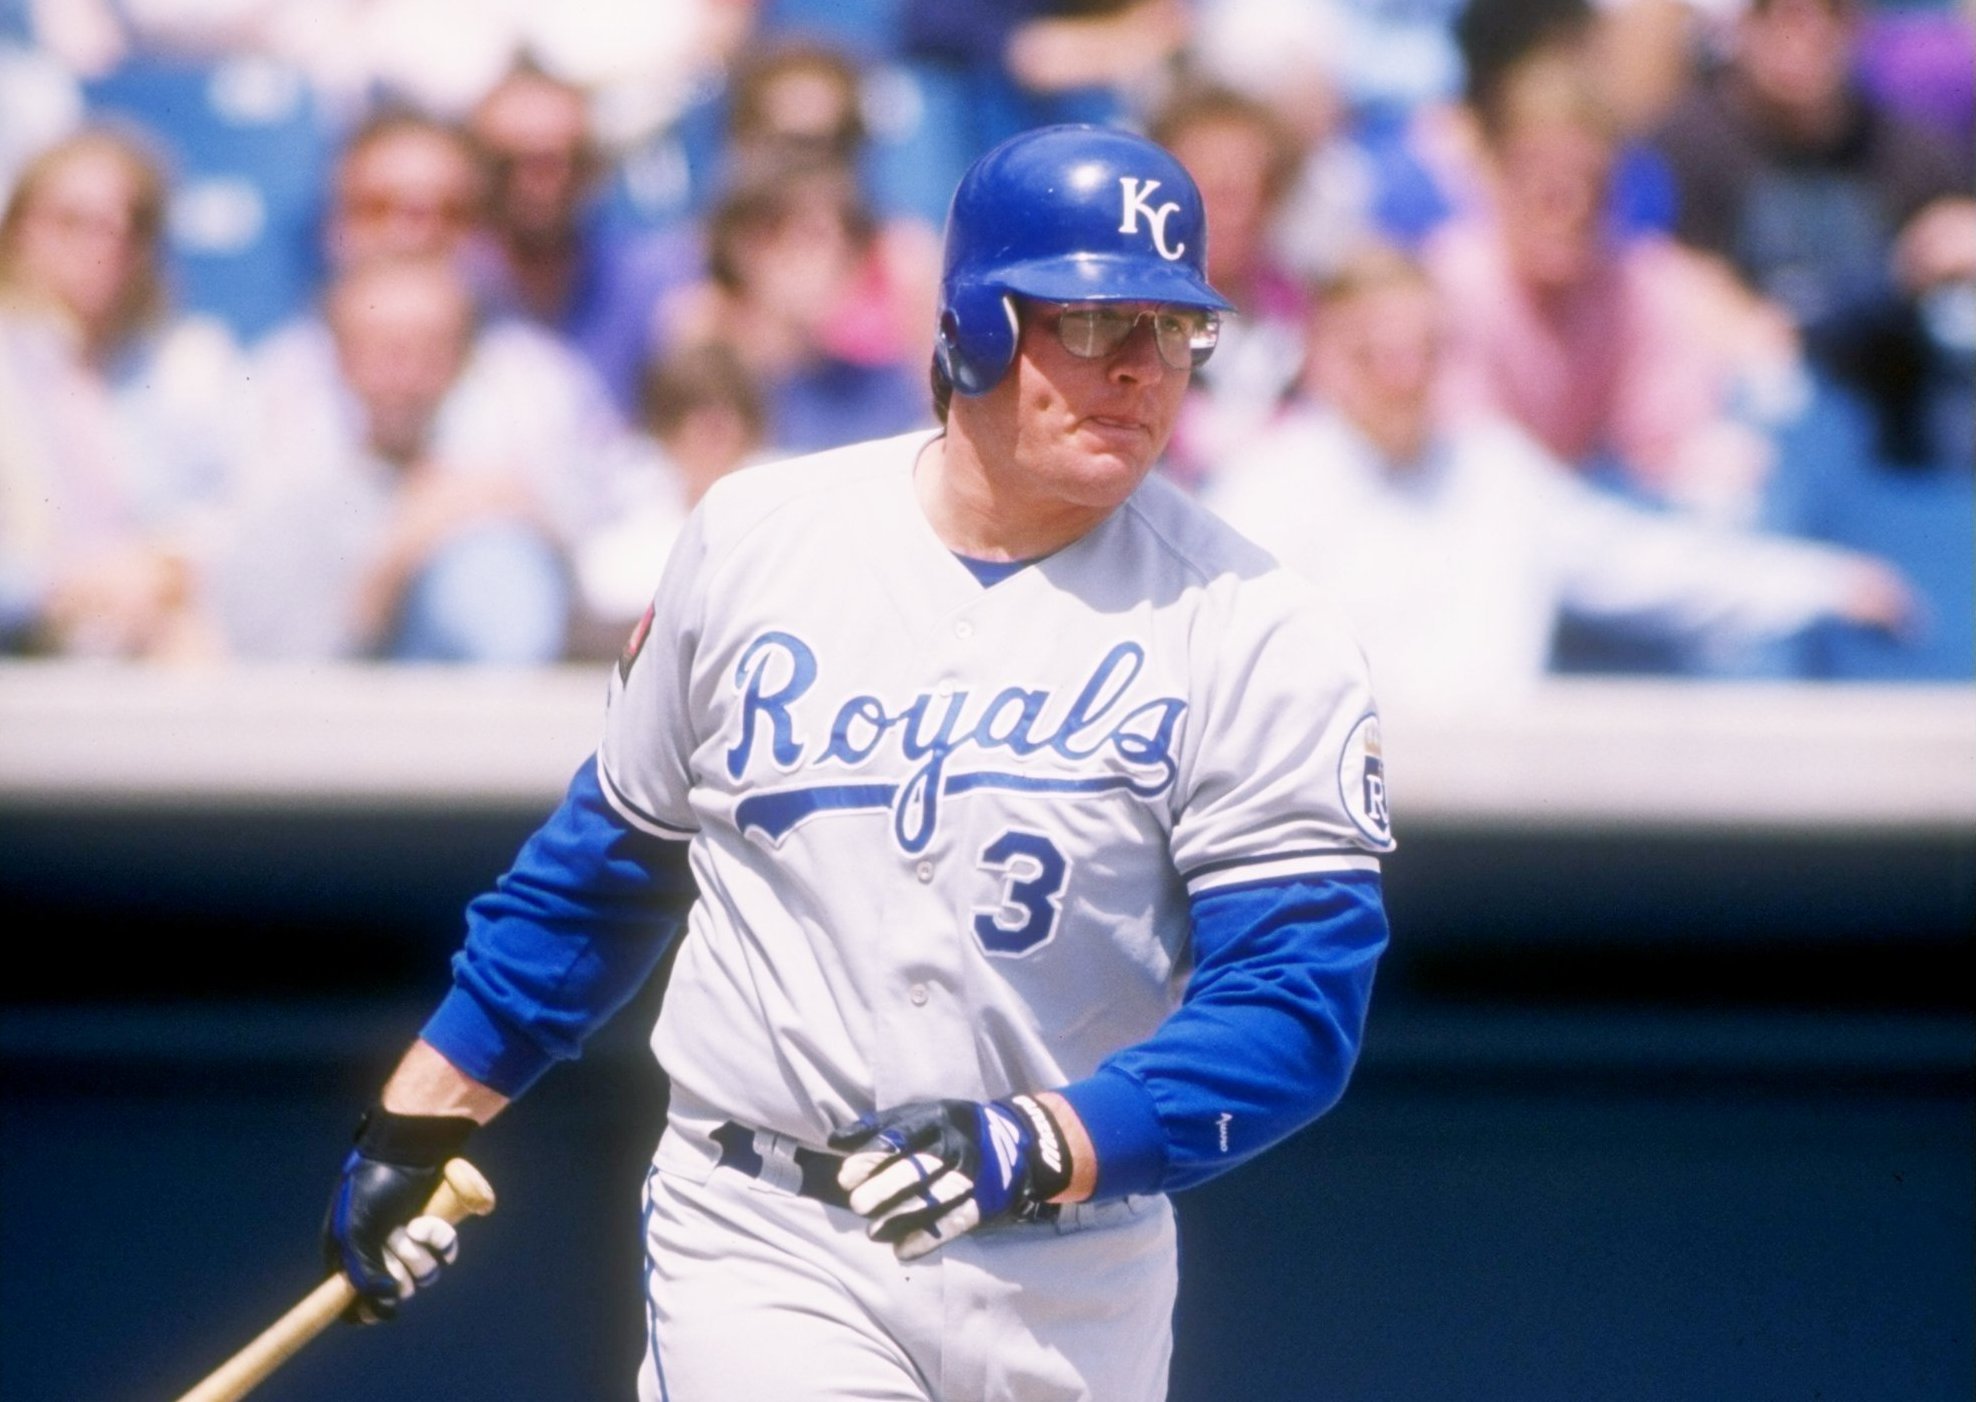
(1104,485)
(1116,455)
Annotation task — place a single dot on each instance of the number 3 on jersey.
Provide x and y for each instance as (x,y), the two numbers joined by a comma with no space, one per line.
(1033,873)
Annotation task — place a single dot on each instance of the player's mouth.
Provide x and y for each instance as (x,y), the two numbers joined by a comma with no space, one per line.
(1116,424)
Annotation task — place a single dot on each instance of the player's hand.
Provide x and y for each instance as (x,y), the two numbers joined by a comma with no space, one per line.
(1877,595)
(374,1231)
(930,1171)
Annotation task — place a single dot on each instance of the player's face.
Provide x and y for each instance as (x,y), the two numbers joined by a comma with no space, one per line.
(1086,428)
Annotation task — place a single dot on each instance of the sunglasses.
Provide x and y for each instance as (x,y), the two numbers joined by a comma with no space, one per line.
(1186,336)
(371,206)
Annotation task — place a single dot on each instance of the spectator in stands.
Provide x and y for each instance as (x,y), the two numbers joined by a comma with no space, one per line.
(703,419)
(792,103)
(800,101)
(1291,59)
(1457,543)
(1245,160)
(546,256)
(405,186)
(113,418)
(796,105)
(404,516)
(411,189)
(1374,93)
(534,133)
(241,129)
(796,289)
(981,73)
(1623,355)
(1859,224)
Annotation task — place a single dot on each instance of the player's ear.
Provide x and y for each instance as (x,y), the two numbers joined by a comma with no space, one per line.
(977,337)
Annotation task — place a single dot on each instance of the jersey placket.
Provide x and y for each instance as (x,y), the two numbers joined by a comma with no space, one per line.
(926,1027)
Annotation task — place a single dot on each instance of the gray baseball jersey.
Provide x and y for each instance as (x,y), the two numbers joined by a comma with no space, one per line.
(945,835)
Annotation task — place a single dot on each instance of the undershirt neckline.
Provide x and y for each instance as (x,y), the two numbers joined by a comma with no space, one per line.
(992,572)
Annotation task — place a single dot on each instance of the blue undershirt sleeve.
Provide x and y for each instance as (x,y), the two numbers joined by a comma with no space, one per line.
(565,938)
(1262,1043)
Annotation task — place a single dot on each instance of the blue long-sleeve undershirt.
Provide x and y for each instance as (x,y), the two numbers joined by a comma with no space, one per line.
(1263,1042)
(562,942)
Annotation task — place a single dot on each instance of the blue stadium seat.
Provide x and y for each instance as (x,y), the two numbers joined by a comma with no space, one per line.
(248,151)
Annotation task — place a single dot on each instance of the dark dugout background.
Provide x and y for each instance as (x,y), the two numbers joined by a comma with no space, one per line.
(1651,1106)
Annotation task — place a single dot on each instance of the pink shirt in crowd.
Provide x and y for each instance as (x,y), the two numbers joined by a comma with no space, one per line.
(1622,364)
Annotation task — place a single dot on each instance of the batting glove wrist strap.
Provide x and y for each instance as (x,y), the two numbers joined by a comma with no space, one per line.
(411,1141)
(1049,1150)
(373,1231)
(925,1173)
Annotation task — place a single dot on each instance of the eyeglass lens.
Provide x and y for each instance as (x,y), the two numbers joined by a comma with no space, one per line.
(1185,336)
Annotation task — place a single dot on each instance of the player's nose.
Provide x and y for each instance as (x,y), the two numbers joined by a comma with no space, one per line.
(1138,357)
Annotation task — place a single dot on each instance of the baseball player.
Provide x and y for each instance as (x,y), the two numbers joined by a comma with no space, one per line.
(1021,825)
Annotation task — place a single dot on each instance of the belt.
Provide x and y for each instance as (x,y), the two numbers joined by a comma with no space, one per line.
(806,1172)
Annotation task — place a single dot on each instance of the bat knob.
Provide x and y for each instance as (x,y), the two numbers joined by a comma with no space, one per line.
(462,1193)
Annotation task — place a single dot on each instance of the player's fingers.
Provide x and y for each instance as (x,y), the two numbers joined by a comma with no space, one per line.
(401,1274)
(900,1178)
(964,1217)
(858,1167)
(931,1204)
(413,1257)
(438,1236)
(853,1137)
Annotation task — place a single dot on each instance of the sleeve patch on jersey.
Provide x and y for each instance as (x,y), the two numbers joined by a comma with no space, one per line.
(1362,782)
(636,643)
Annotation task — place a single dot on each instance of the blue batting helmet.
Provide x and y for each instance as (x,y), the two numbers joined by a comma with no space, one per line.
(1064,214)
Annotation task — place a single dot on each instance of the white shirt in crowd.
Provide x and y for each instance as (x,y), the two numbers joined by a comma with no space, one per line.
(1455,569)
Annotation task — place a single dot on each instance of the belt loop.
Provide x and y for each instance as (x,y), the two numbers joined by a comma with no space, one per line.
(779,1162)
(779,1168)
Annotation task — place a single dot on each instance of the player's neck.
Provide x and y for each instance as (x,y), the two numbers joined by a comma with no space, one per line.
(986,516)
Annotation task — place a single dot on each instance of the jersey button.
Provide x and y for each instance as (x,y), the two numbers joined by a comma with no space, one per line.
(924,871)
(944,687)
(918,995)
(963,630)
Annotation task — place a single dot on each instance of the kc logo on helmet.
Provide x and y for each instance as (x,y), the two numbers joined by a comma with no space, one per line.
(1136,192)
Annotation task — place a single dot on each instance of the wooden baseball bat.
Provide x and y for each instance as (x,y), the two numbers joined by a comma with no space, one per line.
(462,1193)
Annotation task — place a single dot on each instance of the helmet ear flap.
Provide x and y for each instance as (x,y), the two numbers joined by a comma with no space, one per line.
(978,333)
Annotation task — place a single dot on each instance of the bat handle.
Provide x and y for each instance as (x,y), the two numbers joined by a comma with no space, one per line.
(462,1193)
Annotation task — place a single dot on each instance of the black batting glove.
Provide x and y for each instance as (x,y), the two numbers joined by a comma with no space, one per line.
(374,1231)
(930,1171)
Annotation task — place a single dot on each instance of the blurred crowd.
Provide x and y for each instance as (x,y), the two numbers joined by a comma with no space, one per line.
(1572,335)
